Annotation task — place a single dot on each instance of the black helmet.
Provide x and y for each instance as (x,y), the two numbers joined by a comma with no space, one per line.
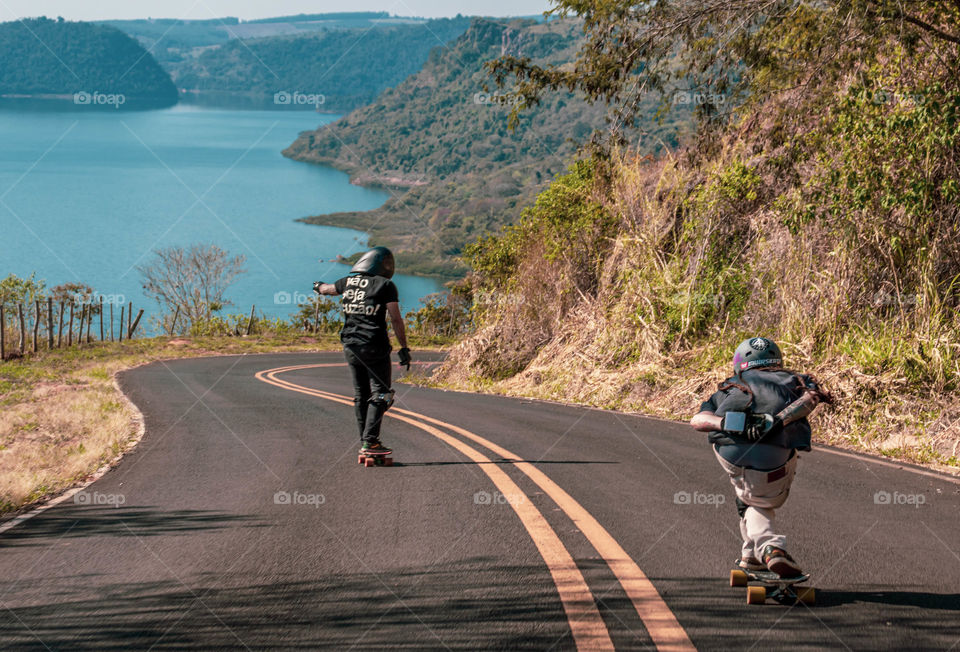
(376,262)
(755,353)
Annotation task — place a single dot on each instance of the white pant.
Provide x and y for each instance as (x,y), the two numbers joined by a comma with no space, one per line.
(763,492)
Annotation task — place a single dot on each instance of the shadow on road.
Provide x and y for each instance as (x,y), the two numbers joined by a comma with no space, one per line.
(941,601)
(501,461)
(81,521)
(458,606)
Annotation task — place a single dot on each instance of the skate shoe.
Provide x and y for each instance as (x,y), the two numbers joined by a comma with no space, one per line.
(375,447)
(778,561)
(750,564)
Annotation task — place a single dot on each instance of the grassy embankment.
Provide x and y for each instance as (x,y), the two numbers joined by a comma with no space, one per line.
(825,218)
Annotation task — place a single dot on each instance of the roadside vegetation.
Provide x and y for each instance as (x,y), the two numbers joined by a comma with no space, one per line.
(821,212)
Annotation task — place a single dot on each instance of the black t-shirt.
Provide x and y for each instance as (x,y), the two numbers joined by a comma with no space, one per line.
(773,390)
(364,306)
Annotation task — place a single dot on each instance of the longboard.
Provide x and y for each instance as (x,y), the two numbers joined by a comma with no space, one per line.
(368,458)
(767,584)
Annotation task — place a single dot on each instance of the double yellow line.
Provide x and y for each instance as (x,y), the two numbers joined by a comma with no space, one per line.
(586,624)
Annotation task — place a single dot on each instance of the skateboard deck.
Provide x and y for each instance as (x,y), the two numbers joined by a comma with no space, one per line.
(368,458)
(767,584)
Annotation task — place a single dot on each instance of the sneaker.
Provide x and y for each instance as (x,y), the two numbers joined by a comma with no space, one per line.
(375,447)
(778,561)
(750,564)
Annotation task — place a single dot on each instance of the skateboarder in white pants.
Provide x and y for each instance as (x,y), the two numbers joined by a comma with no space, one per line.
(757,423)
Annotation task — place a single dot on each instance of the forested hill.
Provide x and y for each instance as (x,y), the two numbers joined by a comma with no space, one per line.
(349,67)
(56,57)
(444,136)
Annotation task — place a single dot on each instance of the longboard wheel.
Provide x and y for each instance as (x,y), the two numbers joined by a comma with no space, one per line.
(806,594)
(738,578)
(756,594)
(360,459)
(388,461)
(369,462)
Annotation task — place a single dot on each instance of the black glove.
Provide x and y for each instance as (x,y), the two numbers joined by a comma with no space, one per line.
(762,425)
(404,354)
(316,286)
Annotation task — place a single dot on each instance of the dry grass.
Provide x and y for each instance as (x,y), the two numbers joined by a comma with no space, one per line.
(641,342)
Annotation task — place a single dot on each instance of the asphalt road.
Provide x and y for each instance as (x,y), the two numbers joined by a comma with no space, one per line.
(242,520)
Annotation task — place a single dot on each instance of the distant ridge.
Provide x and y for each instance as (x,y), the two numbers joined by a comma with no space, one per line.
(40,57)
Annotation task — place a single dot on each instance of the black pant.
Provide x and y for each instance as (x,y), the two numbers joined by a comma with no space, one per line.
(371,378)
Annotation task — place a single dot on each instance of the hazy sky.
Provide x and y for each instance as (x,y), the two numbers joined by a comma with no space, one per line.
(247,9)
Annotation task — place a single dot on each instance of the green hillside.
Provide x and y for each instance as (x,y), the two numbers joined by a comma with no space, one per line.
(56,57)
(445,136)
(824,213)
(349,67)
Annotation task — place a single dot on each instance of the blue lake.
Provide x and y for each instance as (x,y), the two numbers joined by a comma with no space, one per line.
(88,196)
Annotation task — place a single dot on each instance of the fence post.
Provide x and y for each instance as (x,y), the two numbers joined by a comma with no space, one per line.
(111,321)
(316,316)
(250,321)
(136,323)
(36,323)
(173,326)
(60,328)
(101,319)
(23,329)
(120,330)
(89,322)
(50,323)
(70,327)
(82,322)
(3,333)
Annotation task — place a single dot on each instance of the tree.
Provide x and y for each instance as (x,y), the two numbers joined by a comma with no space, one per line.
(191,281)
(738,50)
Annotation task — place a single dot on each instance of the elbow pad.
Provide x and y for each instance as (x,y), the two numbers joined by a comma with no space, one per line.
(800,408)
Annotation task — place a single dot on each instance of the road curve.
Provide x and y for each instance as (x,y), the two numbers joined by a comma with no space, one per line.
(242,520)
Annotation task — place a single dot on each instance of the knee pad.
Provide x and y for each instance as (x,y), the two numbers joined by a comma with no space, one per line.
(741,507)
(384,400)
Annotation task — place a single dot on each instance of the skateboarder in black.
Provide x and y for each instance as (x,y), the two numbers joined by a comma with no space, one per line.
(757,423)
(368,296)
